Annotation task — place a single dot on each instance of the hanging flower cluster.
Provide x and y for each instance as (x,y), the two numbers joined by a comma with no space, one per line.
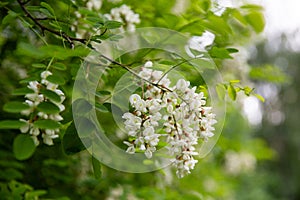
(179,109)
(125,15)
(34,100)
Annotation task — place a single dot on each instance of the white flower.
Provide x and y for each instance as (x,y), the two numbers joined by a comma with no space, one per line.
(94,4)
(33,85)
(45,74)
(182,85)
(34,131)
(33,100)
(125,15)
(130,148)
(35,140)
(148,64)
(134,98)
(51,86)
(25,128)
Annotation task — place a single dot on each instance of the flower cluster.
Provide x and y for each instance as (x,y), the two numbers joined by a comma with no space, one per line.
(179,109)
(33,100)
(125,15)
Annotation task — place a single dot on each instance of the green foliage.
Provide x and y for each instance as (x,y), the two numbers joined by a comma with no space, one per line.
(11,124)
(269,73)
(23,147)
(15,107)
(56,39)
(71,141)
(46,124)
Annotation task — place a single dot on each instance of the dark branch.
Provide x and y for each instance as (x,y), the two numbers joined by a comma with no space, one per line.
(44,28)
(165,89)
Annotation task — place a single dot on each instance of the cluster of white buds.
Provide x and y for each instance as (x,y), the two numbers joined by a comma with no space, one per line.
(125,15)
(179,109)
(33,100)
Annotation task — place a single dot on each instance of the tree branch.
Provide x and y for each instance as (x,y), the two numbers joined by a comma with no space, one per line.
(44,28)
(165,89)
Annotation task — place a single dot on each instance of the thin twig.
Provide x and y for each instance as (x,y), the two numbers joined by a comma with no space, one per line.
(43,28)
(137,75)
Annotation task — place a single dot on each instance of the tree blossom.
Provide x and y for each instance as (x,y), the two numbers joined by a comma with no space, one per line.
(125,15)
(33,100)
(180,109)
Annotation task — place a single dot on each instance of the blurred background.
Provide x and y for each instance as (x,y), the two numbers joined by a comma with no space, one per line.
(256,157)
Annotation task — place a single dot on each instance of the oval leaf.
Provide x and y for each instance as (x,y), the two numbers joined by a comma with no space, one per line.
(96,168)
(56,79)
(71,142)
(15,107)
(39,65)
(51,95)
(48,108)
(22,91)
(59,66)
(23,147)
(47,124)
(11,124)
(232,92)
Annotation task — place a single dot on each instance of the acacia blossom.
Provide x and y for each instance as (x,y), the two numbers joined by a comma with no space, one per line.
(125,15)
(33,100)
(179,109)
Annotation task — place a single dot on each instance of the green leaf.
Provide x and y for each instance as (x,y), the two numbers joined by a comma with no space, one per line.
(112,24)
(234,81)
(48,108)
(25,49)
(23,146)
(59,66)
(9,17)
(71,142)
(48,7)
(46,12)
(238,16)
(81,106)
(220,91)
(256,20)
(56,79)
(39,65)
(22,91)
(221,53)
(50,95)
(11,124)
(85,127)
(101,108)
(15,107)
(232,92)
(34,194)
(102,93)
(96,168)
(259,97)
(269,73)
(232,50)
(47,124)
(247,90)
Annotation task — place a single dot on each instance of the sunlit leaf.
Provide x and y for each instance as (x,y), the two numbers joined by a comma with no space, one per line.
(232,92)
